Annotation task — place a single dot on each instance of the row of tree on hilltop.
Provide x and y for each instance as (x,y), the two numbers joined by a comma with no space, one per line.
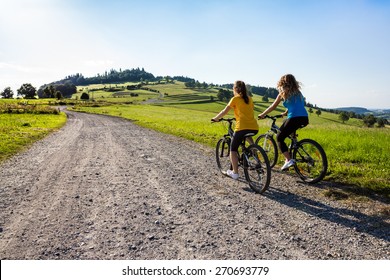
(110,77)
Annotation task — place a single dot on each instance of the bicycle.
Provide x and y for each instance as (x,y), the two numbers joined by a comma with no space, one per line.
(251,158)
(311,163)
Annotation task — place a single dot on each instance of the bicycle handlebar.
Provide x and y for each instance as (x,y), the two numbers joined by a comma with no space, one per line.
(273,117)
(222,119)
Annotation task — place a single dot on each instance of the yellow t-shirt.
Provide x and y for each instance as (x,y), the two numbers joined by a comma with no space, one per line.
(244,113)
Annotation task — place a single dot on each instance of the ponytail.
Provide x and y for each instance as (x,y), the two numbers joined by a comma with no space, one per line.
(241,89)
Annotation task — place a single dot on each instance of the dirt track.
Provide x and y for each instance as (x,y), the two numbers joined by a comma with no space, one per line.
(104,188)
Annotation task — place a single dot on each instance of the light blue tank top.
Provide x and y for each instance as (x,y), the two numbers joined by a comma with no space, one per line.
(296,106)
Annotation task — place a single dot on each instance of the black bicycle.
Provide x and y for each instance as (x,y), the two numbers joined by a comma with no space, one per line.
(311,163)
(251,158)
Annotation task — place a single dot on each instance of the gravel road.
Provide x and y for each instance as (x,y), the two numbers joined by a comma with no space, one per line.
(104,188)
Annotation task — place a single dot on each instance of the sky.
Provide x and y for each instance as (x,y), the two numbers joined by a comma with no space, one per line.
(338,49)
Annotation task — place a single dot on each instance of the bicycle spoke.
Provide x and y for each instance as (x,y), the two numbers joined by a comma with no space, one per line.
(268,144)
(311,163)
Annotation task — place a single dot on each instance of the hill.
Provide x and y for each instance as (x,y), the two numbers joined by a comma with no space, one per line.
(357,110)
(379,113)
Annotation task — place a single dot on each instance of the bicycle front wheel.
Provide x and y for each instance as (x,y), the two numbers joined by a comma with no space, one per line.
(256,168)
(268,144)
(311,162)
(222,154)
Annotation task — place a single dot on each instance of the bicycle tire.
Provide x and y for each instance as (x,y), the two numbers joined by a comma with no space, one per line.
(311,163)
(222,154)
(257,169)
(268,144)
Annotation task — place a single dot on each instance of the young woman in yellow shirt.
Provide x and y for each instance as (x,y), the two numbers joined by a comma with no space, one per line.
(243,107)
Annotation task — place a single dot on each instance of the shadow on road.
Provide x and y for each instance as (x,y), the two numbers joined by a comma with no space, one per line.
(372,225)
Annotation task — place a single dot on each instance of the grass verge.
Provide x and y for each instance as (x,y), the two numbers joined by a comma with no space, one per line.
(20,126)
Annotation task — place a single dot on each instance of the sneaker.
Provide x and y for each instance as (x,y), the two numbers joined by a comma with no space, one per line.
(231,174)
(288,164)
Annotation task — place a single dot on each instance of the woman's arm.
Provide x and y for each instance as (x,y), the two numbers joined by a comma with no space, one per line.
(221,114)
(271,107)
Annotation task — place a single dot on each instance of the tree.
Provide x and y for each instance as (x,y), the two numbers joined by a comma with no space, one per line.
(220,95)
(265,98)
(49,92)
(344,117)
(224,94)
(352,114)
(310,110)
(59,95)
(27,91)
(190,84)
(7,93)
(84,96)
(381,122)
(272,92)
(66,89)
(369,120)
(318,112)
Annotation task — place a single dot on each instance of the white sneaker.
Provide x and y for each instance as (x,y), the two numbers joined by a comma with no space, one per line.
(231,174)
(288,164)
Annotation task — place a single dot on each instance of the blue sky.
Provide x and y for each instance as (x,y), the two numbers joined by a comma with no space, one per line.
(338,49)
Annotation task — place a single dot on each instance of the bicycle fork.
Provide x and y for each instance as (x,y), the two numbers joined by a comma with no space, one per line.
(227,142)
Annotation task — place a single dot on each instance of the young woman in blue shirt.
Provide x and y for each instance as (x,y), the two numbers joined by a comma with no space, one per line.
(297,117)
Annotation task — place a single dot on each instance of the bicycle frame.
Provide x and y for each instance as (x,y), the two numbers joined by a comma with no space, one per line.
(310,159)
(242,145)
(275,129)
(252,159)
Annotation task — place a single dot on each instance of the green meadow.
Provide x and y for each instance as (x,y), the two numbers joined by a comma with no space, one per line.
(357,155)
(24,122)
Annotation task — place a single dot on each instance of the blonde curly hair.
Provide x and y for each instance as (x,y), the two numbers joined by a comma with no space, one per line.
(288,86)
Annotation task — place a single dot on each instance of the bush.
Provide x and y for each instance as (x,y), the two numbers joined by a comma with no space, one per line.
(84,96)
(27,109)
(369,120)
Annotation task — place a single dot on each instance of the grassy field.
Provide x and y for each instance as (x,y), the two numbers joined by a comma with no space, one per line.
(27,124)
(357,155)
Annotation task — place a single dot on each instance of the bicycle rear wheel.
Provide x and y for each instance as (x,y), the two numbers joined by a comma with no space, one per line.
(268,144)
(311,161)
(256,168)
(222,154)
